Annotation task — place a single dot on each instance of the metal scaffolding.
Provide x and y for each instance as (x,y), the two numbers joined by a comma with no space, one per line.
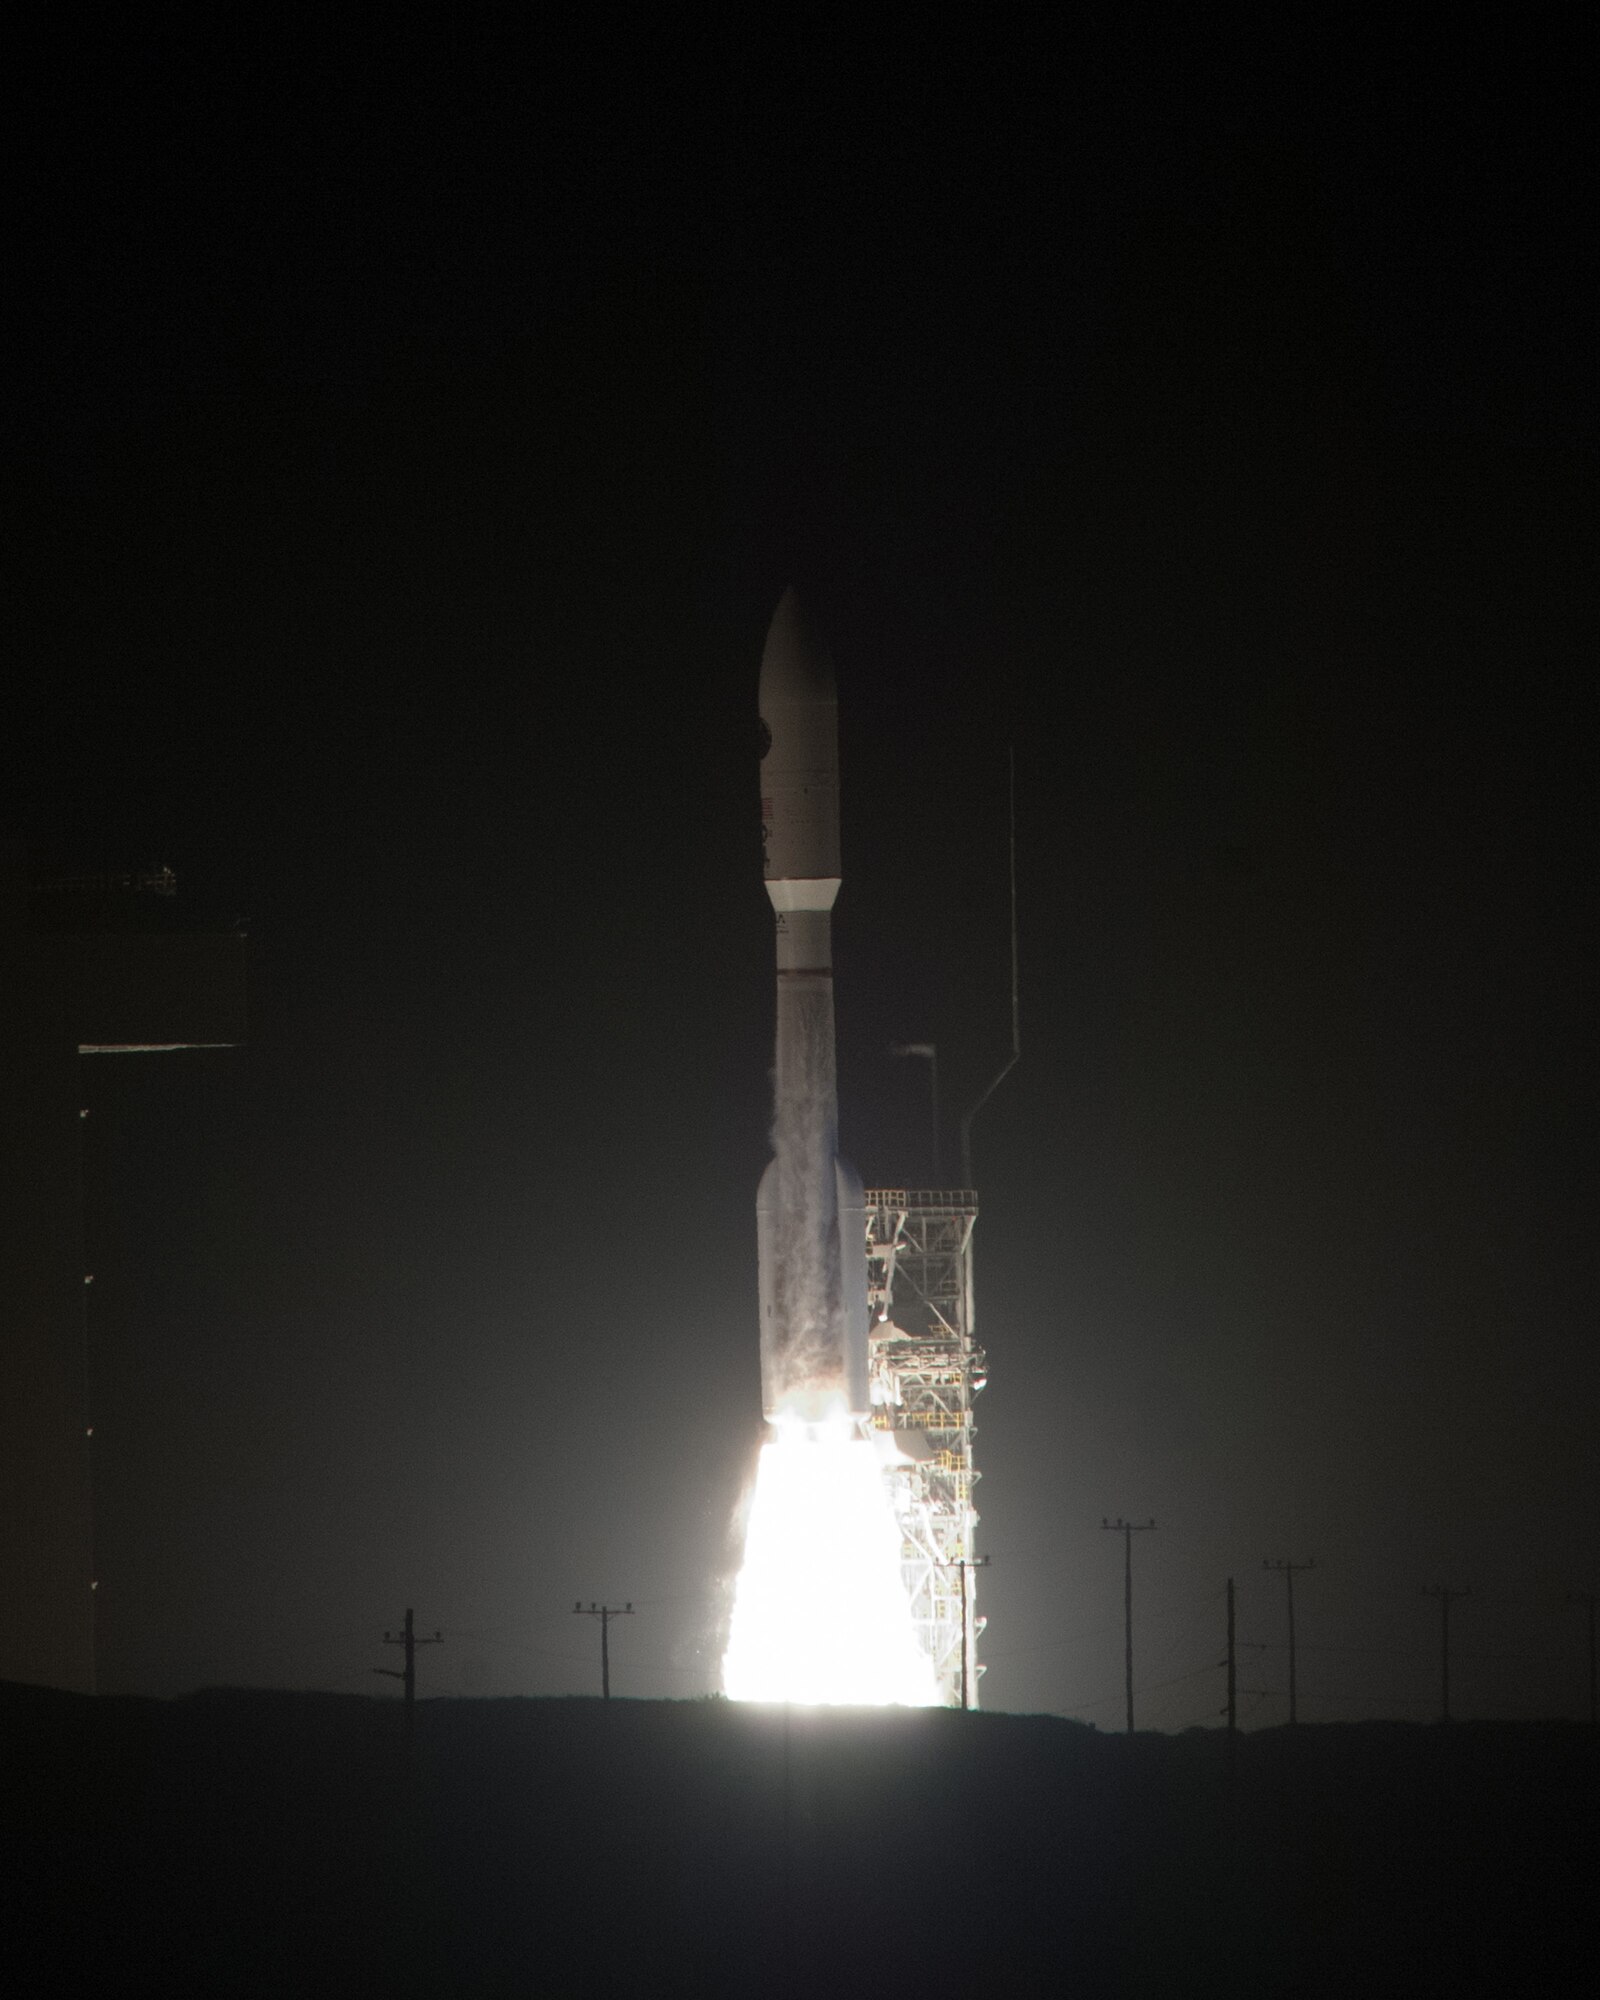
(925,1372)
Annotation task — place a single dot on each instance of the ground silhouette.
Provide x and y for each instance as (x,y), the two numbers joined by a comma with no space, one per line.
(242,1842)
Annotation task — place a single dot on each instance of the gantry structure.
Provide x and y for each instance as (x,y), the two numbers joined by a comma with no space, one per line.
(926,1371)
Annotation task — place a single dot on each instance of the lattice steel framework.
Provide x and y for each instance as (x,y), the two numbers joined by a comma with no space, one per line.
(926,1370)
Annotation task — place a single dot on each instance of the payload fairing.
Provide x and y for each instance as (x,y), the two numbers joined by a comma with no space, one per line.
(810,1215)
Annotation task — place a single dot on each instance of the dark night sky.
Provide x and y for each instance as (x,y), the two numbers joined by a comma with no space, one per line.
(409,442)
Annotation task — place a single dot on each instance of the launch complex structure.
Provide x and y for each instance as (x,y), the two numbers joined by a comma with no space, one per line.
(925,1371)
(866,1296)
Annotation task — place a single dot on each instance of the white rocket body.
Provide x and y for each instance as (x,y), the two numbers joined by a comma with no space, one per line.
(810,1215)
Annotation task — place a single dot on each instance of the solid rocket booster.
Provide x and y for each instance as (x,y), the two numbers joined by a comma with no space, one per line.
(810,1215)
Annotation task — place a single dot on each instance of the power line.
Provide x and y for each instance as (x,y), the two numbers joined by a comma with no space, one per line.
(1169,1604)
(1176,1680)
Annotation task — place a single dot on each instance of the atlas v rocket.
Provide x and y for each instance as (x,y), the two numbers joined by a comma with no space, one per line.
(810,1214)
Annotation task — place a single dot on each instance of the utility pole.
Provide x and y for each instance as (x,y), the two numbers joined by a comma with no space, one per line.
(408,1674)
(1446,1597)
(963,1564)
(1127,1530)
(1289,1568)
(605,1613)
(1232,1710)
(1587,1597)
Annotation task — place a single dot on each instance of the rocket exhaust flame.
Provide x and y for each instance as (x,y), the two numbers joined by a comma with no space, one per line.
(820,1611)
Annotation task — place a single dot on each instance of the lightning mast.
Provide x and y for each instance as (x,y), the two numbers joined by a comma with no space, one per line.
(926,1371)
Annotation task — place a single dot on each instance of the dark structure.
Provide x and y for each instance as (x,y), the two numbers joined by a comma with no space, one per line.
(253,1843)
(83,971)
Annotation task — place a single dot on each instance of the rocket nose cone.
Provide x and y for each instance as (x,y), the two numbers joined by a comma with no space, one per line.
(795,663)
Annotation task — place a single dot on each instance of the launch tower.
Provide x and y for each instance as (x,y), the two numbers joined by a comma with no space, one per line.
(926,1371)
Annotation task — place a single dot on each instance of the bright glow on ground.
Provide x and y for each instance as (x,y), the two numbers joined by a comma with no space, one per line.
(820,1611)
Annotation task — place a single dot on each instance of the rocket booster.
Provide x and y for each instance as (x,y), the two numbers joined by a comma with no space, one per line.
(799,788)
(810,1215)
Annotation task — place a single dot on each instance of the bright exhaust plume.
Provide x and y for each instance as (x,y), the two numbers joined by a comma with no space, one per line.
(820,1611)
